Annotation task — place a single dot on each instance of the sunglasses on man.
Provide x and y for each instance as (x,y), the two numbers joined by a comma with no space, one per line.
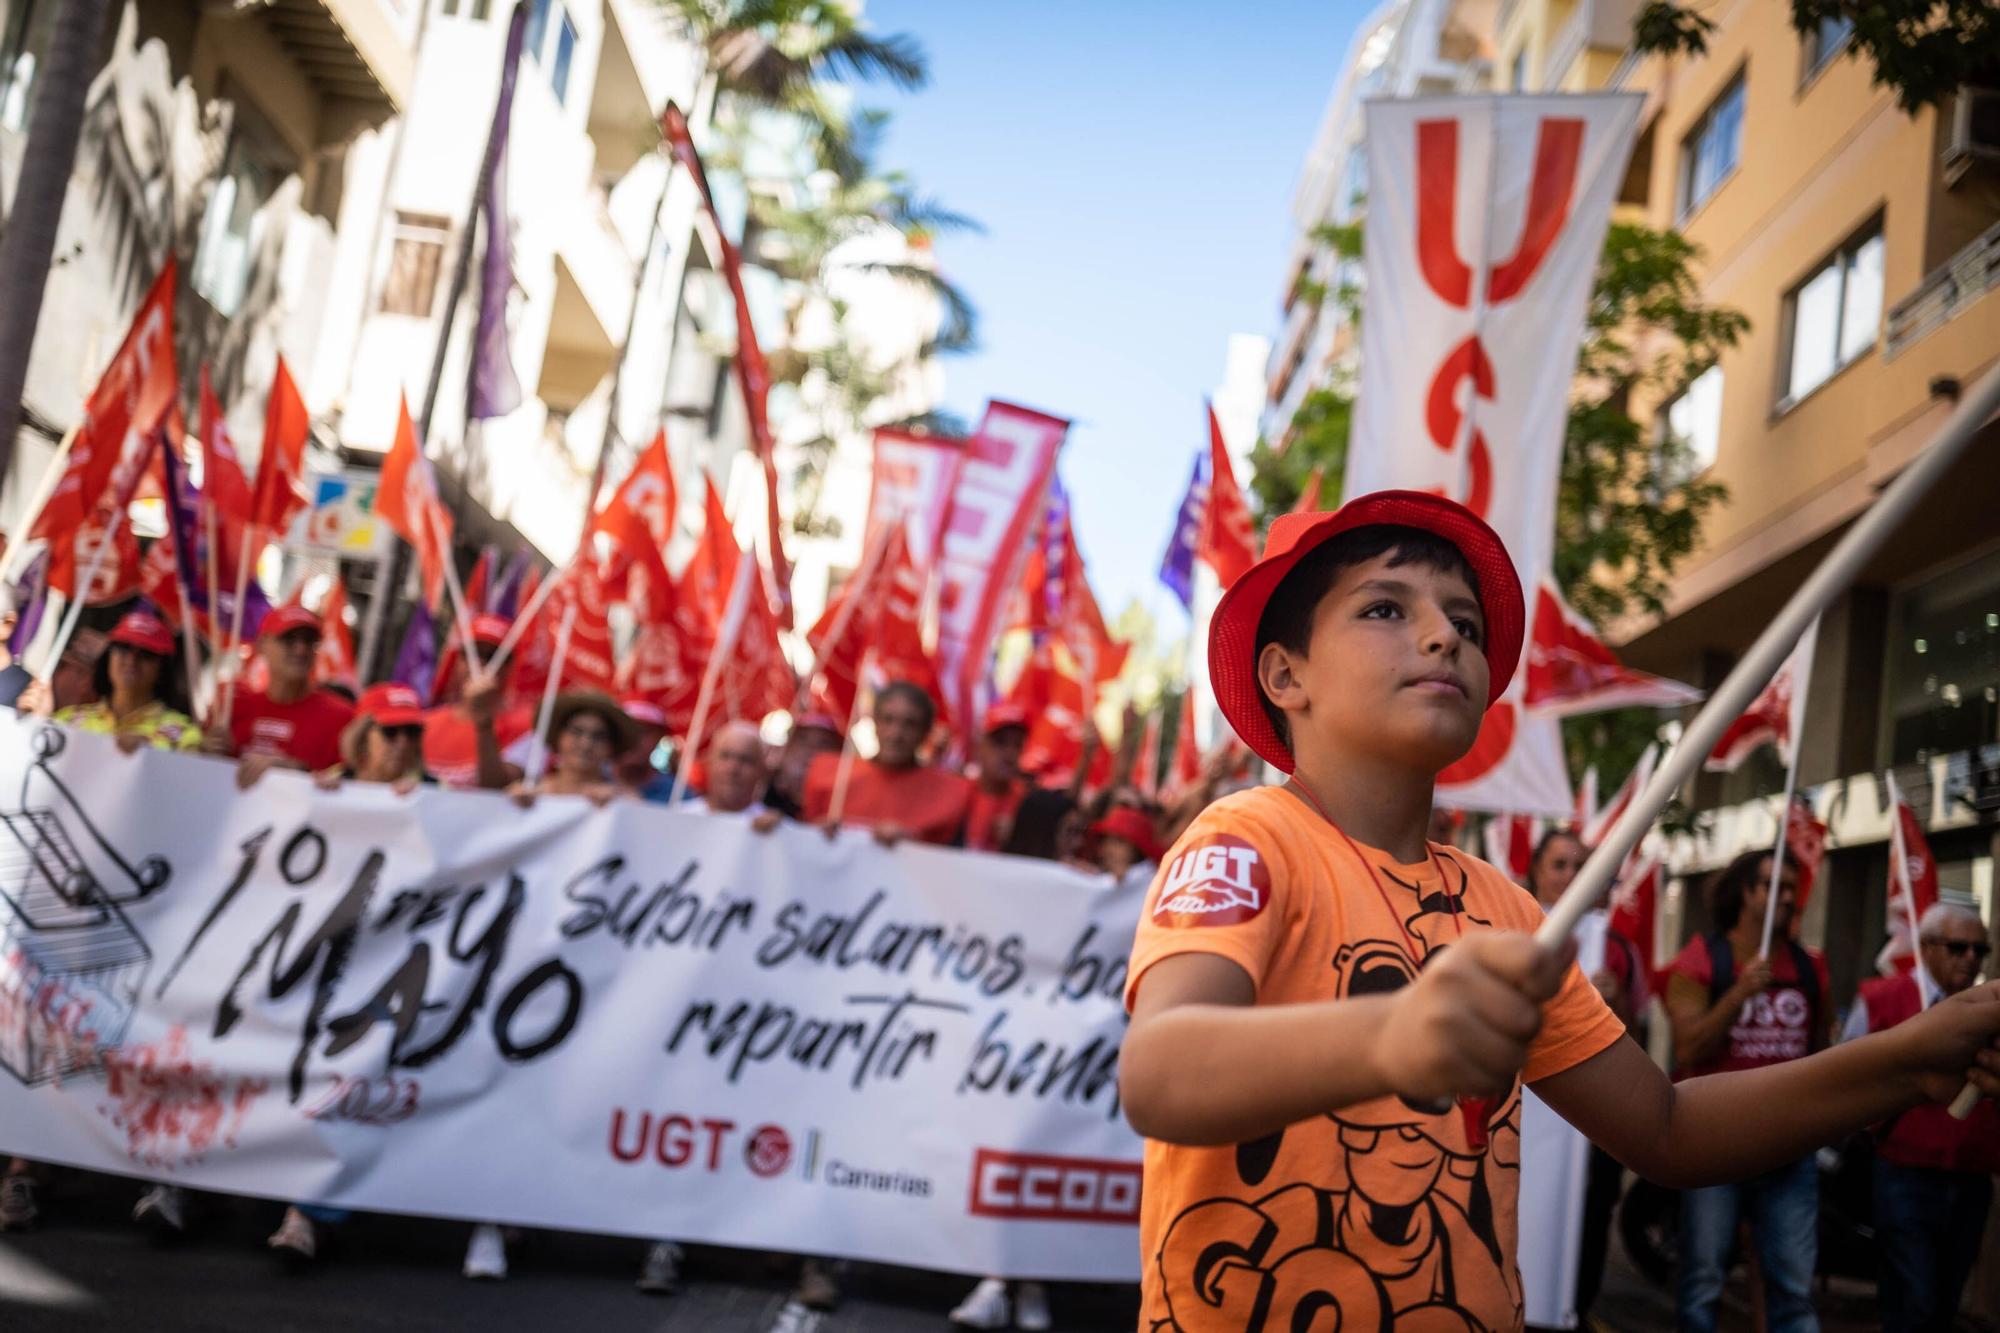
(1959,948)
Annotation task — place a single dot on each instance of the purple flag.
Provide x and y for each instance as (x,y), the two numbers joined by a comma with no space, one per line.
(495,390)
(31,598)
(1055,553)
(1177,569)
(189,538)
(503,595)
(416,662)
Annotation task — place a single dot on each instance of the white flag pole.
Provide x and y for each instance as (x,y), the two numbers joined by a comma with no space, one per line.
(1900,851)
(725,644)
(538,749)
(1833,576)
(1778,852)
(526,617)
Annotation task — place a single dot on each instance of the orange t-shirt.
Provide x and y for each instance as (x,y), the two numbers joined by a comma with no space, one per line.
(1382,1212)
(927,803)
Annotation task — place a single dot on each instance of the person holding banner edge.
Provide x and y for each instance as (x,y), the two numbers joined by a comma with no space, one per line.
(1300,1005)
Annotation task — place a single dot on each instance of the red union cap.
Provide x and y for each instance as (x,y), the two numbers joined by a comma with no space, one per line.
(489,630)
(1232,635)
(644,711)
(1002,716)
(1131,825)
(286,619)
(391,704)
(146,632)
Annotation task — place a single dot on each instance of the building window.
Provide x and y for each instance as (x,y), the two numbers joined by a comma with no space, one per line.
(414,264)
(1694,418)
(1835,314)
(30,27)
(1710,151)
(1827,39)
(565,53)
(1943,686)
(538,28)
(232,230)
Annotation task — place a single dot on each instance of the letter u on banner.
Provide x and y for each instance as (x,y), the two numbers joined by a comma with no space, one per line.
(1485,219)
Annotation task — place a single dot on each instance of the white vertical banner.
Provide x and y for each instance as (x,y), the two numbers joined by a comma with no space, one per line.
(998,495)
(1485,219)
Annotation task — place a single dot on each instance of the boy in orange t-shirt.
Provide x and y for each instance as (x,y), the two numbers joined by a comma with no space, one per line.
(1313,984)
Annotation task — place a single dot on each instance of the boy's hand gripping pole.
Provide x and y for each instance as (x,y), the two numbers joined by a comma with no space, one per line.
(1827,582)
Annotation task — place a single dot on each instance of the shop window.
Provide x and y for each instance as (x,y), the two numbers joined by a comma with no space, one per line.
(1943,672)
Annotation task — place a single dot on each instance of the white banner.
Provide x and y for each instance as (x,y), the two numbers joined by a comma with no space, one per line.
(625,1020)
(994,506)
(1485,220)
(913,478)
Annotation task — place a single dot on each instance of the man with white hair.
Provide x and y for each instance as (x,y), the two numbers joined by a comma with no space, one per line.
(1933,1174)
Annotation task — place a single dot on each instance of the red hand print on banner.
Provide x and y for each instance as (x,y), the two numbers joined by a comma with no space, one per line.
(1558,147)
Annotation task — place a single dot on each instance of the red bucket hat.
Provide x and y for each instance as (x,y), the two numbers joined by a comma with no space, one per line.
(1232,634)
(146,632)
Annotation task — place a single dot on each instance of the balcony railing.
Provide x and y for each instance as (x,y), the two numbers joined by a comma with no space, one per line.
(1941,297)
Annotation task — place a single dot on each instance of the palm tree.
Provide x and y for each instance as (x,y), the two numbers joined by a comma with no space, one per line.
(777,53)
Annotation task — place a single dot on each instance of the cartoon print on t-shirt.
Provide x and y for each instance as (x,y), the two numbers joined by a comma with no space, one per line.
(1409,1219)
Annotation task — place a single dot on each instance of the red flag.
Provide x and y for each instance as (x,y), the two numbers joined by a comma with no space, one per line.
(1309,497)
(1571,671)
(1805,847)
(1774,717)
(1082,629)
(281,468)
(222,481)
(642,509)
(1510,845)
(1187,750)
(673,642)
(1053,699)
(121,414)
(754,679)
(708,572)
(1635,912)
(1913,886)
(476,581)
(335,663)
(1228,542)
(751,371)
(588,663)
(1596,823)
(1146,774)
(406,499)
(851,623)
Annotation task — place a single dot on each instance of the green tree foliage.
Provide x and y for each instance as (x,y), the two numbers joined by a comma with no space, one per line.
(1923,49)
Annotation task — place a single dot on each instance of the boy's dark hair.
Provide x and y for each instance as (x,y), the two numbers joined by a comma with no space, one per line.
(911,693)
(1288,617)
(1732,884)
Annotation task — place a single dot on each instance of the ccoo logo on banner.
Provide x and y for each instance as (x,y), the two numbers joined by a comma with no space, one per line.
(1484,223)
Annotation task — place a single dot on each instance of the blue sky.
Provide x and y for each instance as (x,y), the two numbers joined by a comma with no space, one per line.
(1133,164)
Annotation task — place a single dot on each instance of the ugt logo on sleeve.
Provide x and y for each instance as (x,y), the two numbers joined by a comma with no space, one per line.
(1220,881)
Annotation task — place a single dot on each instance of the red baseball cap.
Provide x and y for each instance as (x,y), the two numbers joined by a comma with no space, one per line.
(1131,825)
(286,619)
(1232,634)
(821,721)
(391,704)
(146,632)
(489,630)
(1002,716)
(644,711)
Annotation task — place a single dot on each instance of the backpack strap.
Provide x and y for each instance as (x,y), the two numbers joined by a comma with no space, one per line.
(1721,966)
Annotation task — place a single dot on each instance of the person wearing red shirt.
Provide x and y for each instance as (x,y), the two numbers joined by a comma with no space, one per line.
(997,792)
(1933,1174)
(895,793)
(1733,1009)
(470,738)
(290,724)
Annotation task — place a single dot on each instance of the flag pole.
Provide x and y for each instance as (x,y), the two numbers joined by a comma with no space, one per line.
(209,522)
(538,750)
(1778,852)
(838,806)
(73,612)
(226,666)
(52,477)
(725,644)
(1901,853)
(454,590)
(525,617)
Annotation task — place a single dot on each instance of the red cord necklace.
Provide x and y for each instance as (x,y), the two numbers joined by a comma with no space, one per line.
(1473,1111)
